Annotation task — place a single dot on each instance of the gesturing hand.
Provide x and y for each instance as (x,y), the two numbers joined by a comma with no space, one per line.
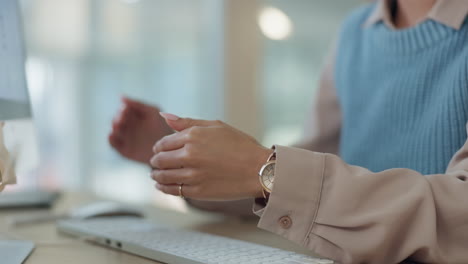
(136,129)
(212,160)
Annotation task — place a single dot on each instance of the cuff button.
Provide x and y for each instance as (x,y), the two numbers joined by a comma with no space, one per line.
(285,222)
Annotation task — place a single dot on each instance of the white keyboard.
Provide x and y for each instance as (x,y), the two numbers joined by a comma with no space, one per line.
(169,245)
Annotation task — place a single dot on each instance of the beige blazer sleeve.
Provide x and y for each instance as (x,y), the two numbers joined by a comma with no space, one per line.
(352,215)
(321,133)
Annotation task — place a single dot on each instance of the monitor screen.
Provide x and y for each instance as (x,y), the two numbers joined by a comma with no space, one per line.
(18,133)
(14,101)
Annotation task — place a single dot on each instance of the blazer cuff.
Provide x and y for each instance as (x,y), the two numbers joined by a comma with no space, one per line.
(295,198)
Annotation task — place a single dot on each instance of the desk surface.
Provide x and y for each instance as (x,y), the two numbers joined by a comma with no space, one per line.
(52,247)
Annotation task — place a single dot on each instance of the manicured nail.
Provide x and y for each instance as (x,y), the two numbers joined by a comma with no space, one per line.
(169,116)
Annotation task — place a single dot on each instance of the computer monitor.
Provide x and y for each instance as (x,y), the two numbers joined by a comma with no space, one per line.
(14,99)
(15,108)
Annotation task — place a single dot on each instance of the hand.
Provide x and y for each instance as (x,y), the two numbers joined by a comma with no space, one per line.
(212,160)
(136,129)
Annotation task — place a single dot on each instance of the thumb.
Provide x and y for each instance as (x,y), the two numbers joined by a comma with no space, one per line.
(179,124)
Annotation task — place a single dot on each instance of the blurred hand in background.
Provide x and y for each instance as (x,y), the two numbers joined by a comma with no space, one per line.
(136,128)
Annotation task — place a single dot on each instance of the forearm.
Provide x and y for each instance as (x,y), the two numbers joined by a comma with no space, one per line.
(395,214)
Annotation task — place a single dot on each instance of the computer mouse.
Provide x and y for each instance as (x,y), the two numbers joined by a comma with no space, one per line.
(104,209)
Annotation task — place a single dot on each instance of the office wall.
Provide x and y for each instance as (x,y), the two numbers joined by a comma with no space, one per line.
(199,58)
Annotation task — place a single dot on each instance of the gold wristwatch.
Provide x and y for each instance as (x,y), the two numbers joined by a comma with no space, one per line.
(267,175)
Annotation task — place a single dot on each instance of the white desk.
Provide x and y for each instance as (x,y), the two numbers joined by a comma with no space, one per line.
(52,247)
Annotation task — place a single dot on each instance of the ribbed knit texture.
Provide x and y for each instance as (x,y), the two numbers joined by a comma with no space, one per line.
(404,94)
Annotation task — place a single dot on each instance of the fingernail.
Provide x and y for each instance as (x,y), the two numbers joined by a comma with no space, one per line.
(158,186)
(169,116)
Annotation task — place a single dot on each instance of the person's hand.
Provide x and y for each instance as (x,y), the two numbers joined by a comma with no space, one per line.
(136,129)
(212,160)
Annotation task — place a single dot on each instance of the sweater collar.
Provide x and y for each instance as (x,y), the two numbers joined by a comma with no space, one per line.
(451,13)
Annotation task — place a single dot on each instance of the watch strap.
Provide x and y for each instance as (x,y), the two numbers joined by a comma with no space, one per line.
(272,156)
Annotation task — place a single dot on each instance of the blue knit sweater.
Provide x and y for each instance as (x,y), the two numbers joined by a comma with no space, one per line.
(403,94)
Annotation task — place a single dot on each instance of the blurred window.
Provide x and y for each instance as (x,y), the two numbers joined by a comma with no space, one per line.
(292,63)
(84,54)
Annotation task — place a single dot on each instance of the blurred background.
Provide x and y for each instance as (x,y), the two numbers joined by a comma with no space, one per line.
(254,64)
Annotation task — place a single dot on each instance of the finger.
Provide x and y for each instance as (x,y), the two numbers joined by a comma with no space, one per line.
(175,176)
(125,113)
(133,103)
(140,107)
(116,133)
(188,191)
(115,141)
(117,130)
(179,124)
(118,118)
(168,160)
(171,142)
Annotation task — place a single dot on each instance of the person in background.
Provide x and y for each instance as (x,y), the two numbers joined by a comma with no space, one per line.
(381,176)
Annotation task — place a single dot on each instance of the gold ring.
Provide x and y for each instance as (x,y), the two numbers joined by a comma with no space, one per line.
(181,195)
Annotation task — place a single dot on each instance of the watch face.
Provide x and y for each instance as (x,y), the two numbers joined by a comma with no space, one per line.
(268,176)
